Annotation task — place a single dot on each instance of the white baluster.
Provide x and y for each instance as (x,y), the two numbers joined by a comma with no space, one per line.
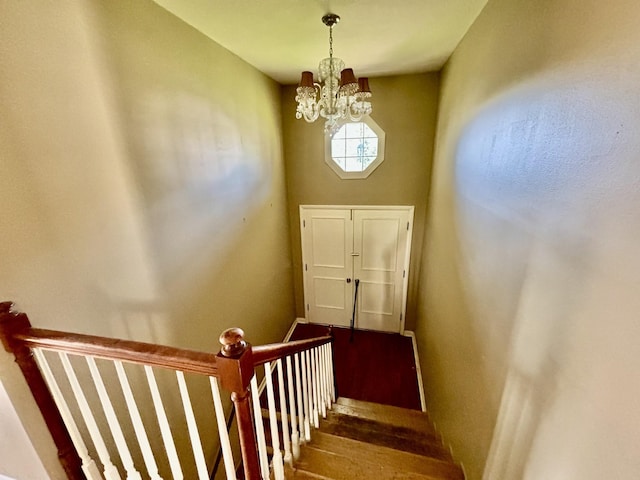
(283,415)
(257,417)
(196,444)
(165,430)
(305,392)
(327,359)
(325,386)
(112,421)
(110,470)
(295,439)
(331,376)
(225,444)
(278,466)
(298,382)
(314,389)
(138,425)
(327,373)
(321,382)
(89,467)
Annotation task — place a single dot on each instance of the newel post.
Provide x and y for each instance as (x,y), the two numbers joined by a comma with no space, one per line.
(235,366)
(11,324)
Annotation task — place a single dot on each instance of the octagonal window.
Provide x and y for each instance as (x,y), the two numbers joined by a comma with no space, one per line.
(355,149)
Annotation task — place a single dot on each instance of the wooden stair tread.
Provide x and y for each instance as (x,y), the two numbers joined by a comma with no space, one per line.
(369,452)
(385,435)
(350,465)
(403,417)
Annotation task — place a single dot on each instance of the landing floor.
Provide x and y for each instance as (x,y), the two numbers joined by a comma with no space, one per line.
(376,367)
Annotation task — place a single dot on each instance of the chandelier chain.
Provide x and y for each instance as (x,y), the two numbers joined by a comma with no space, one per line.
(331,41)
(331,74)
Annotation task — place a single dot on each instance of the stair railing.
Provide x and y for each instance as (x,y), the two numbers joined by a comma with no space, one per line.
(309,389)
(72,378)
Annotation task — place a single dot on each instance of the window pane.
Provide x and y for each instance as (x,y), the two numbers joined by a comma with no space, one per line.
(354,130)
(370,147)
(367,132)
(338,147)
(354,147)
(366,161)
(353,164)
(340,133)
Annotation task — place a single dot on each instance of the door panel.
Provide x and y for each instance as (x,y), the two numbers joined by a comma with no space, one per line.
(329,293)
(327,239)
(376,298)
(380,242)
(329,242)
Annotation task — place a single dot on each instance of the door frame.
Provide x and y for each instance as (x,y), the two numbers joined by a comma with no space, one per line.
(405,281)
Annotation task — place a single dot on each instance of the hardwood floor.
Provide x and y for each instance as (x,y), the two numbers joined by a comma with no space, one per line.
(376,367)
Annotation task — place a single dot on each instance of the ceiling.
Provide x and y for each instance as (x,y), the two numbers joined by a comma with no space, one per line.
(374,37)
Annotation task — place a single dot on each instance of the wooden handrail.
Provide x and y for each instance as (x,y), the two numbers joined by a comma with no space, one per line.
(189,361)
(268,353)
(234,365)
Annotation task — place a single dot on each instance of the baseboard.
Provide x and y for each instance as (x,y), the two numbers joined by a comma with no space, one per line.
(412,335)
(298,320)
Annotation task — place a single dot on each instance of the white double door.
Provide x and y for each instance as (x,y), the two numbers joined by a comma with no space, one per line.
(365,246)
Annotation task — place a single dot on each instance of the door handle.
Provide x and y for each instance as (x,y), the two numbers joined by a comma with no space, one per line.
(353,316)
(348,280)
(354,254)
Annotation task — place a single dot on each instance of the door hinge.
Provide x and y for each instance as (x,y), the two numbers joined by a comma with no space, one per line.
(407,226)
(305,267)
(304,223)
(404,273)
(307,307)
(400,317)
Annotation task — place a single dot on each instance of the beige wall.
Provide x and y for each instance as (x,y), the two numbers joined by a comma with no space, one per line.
(530,293)
(143,185)
(405,107)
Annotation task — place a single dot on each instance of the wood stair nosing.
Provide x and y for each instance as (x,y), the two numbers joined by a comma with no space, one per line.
(294,474)
(381,408)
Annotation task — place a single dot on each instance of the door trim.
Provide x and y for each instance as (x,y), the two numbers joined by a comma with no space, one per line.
(405,283)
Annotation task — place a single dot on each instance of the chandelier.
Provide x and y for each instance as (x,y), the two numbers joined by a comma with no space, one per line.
(337,95)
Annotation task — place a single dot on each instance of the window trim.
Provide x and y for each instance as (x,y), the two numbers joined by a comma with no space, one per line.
(328,157)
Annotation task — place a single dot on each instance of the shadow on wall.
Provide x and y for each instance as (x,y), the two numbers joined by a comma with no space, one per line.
(198,179)
(198,186)
(537,351)
(201,133)
(547,193)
